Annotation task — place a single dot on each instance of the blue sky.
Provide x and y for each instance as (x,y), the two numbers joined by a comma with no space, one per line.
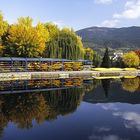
(77,14)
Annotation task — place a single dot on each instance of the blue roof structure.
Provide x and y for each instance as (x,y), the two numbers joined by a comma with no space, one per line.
(32,59)
(39,59)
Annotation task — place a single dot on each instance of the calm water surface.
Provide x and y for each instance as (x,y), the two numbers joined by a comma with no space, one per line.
(70,109)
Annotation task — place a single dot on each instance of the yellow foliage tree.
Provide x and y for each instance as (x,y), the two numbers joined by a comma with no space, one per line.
(3,26)
(25,40)
(130,59)
(131,85)
(1,50)
(3,30)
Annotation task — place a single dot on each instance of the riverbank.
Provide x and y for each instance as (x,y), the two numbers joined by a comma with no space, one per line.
(67,74)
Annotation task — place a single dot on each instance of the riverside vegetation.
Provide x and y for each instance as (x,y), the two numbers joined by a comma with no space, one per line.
(22,39)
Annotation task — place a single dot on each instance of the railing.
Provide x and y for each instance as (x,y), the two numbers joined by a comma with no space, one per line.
(8,64)
(38,85)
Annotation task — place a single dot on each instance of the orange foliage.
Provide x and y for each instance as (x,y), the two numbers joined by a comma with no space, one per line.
(138,53)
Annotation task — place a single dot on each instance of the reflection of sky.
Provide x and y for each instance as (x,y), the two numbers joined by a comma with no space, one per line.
(127,114)
(89,122)
(106,137)
(130,117)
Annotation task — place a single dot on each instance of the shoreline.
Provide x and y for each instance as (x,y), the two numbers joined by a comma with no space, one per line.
(67,74)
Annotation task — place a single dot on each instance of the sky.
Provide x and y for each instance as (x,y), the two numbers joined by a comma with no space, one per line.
(77,14)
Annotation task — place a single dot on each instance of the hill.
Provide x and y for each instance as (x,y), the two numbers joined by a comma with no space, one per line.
(127,38)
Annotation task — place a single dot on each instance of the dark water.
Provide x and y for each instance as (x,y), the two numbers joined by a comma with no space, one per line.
(70,109)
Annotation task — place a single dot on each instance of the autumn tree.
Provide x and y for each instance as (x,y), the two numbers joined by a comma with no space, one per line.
(25,40)
(3,31)
(43,40)
(130,59)
(130,85)
(138,53)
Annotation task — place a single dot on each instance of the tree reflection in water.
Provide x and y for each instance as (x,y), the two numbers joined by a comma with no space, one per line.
(106,86)
(94,84)
(21,109)
(131,85)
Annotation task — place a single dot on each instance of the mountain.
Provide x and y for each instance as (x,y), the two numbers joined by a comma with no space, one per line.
(116,38)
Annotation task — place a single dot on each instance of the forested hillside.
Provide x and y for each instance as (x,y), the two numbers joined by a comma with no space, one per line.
(117,38)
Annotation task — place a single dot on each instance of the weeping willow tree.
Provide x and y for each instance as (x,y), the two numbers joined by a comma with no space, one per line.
(63,44)
(64,102)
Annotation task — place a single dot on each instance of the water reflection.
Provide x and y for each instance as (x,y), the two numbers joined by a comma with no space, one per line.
(23,108)
(38,85)
(46,106)
(131,85)
(118,90)
(124,123)
(106,86)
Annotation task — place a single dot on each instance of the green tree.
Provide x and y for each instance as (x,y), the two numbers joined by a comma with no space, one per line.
(106,62)
(88,54)
(71,44)
(53,29)
(96,59)
(52,49)
(130,59)
(64,44)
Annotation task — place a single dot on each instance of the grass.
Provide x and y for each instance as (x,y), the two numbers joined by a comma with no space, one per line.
(130,69)
(100,69)
(116,69)
(129,77)
(108,77)
(113,69)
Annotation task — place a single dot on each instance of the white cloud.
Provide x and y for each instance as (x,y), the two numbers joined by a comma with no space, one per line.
(103,129)
(103,1)
(59,23)
(110,23)
(105,137)
(132,119)
(108,106)
(131,10)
